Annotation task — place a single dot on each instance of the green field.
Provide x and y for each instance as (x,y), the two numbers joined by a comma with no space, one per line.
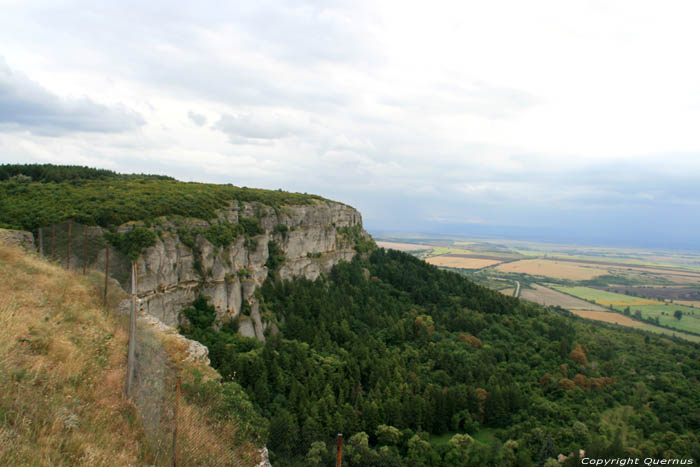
(649,309)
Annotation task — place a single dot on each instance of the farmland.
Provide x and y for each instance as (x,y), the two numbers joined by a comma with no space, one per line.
(462,261)
(653,284)
(674,293)
(662,313)
(549,297)
(552,268)
(402,246)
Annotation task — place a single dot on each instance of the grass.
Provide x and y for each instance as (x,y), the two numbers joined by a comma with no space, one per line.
(57,347)
(62,373)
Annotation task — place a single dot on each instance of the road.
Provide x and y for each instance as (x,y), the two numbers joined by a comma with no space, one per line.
(517,289)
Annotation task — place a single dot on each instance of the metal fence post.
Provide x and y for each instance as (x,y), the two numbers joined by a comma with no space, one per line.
(339,453)
(106,273)
(41,243)
(69,231)
(84,249)
(132,334)
(177,408)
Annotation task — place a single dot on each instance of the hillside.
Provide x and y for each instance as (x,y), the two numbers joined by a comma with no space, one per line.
(62,373)
(422,367)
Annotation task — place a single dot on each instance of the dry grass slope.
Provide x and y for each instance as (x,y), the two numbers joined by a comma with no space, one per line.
(61,371)
(62,368)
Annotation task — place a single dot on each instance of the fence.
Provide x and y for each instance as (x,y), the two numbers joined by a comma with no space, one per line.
(175,435)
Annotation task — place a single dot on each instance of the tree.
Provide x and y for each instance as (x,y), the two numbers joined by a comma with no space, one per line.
(678,314)
(547,451)
(284,433)
(388,435)
(317,453)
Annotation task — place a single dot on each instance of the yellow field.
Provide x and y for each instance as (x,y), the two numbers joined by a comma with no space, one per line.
(553,268)
(403,246)
(631,302)
(609,317)
(462,263)
(508,292)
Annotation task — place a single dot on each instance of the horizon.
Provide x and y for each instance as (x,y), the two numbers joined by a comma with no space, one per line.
(545,121)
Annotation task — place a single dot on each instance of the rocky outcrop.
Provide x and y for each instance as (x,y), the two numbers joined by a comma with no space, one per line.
(19,238)
(312,238)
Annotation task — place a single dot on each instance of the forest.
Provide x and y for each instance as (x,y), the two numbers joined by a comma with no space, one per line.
(33,196)
(418,366)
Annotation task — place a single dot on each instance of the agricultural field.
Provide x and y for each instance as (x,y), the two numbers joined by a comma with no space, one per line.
(653,284)
(673,293)
(508,292)
(552,268)
(461,261)
(664,312)
(403,246)
(549,297)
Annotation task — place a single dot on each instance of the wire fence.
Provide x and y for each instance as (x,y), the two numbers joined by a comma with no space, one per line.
(175,432)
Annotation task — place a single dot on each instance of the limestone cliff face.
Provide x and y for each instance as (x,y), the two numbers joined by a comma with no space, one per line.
(312,238)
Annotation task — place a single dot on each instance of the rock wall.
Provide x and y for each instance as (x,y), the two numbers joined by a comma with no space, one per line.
(313,238)
(19,238)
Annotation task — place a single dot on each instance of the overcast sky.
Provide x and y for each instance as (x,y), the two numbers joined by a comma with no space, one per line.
(565,120)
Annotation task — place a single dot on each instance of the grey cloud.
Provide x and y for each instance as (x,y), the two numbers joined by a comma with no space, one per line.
(198,119)
(242,128)
(25,105)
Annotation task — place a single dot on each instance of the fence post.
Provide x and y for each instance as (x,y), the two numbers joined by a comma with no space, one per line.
(85,249)
(177,409)
(69,230)
(132,334)
(53,241)
(339,453)
(41,243)
(106,273)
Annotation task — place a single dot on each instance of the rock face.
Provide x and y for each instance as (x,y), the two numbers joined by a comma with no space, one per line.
(19,238)
(312,238)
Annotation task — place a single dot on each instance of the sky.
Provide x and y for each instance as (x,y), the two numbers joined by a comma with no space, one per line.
(572,121)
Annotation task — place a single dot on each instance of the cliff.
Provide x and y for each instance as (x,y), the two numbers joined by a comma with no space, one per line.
(311,238)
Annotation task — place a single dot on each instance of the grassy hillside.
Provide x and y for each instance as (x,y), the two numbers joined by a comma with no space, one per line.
(62,372)
(33,196)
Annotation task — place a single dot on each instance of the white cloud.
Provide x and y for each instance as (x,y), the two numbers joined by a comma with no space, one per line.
(403,109)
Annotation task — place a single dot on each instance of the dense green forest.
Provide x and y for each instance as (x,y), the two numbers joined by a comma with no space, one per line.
(422,367)
(33,196)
